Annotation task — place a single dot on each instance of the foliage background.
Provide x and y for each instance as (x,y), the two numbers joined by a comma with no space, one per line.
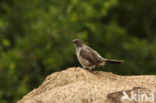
(36,35)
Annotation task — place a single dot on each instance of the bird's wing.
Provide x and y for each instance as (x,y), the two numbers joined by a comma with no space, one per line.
(88,55)
(96,54)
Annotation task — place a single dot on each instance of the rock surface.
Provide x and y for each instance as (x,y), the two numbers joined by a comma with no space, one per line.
(77,85)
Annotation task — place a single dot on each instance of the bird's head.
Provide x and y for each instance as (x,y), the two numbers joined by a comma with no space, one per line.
(77,43)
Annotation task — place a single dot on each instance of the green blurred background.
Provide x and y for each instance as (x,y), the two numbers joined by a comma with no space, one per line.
(36,35)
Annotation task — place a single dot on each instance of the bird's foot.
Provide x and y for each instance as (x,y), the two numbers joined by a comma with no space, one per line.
(91,71)
(95,71)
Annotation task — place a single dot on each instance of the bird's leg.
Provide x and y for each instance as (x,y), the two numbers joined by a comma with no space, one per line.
(89,69)
(97,66)
(92,71)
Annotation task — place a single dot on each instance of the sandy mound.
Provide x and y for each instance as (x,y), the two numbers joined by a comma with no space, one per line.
(76,85)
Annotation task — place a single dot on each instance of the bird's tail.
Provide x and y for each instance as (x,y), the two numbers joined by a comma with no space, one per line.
(114,61)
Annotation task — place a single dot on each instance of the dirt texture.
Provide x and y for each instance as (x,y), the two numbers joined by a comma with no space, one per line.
(77,85)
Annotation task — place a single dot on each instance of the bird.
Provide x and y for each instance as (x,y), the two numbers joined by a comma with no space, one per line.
(89,58)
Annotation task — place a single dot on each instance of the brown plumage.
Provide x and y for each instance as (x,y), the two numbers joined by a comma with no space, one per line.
(89,58)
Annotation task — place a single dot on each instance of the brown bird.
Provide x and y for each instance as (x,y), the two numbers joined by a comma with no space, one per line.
(89,58)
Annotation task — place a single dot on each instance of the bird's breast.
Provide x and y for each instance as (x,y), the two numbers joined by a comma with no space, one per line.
(82,60)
